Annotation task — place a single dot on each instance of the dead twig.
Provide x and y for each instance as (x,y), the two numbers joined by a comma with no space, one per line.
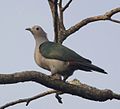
(67,5)
(28,100)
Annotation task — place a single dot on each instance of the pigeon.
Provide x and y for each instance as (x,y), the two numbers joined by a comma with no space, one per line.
(57,58)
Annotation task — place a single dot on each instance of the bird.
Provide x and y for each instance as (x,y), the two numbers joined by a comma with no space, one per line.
(57,58)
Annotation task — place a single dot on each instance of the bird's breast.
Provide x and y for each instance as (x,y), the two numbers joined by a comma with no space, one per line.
(50,64)
(40,60)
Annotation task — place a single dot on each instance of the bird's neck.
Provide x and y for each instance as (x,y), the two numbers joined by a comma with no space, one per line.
(41,40)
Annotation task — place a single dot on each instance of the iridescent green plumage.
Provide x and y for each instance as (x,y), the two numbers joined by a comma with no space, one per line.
(57,51)
(53,50)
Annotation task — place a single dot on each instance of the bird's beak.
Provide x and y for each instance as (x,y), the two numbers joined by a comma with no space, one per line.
(28,29)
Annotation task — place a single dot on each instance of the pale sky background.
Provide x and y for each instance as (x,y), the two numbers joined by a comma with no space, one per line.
(99,41)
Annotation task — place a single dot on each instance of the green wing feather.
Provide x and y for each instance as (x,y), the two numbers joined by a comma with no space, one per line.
(53,50)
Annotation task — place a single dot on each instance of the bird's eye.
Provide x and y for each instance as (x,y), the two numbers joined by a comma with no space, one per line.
(37,28)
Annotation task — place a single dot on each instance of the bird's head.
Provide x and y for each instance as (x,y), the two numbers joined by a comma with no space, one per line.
(37,31)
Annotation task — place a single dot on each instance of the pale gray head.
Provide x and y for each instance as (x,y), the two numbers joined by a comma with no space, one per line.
(38,33)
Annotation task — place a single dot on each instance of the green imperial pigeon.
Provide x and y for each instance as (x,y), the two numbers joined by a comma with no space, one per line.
(57,58)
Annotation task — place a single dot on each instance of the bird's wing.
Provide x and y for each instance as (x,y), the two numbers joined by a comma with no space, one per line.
(57,51)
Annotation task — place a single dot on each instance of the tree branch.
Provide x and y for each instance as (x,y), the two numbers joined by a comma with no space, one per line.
(56,20)
(114,20)
(81,90)
(106,16)
(57,15)
(67,5)
(59,29)
(54,10)
(28,100)
(61,16)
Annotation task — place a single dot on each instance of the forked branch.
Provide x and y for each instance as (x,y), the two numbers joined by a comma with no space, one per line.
(63,33)
(107,16)
(28,100)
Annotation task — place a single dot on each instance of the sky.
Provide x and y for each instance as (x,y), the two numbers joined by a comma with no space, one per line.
(98,41)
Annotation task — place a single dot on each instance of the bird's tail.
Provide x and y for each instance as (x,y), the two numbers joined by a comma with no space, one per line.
(90,67)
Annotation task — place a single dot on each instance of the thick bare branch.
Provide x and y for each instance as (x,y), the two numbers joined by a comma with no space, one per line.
(106,16)
(51,4)
(56,20)
(81,90)
(112,12)
(60,9)
(62,27)
(57,15)
(54,10)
